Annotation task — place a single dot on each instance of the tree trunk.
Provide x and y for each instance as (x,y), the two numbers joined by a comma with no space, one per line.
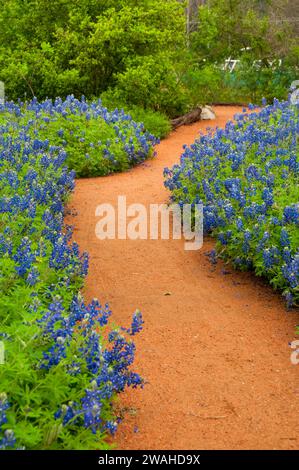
(188,118)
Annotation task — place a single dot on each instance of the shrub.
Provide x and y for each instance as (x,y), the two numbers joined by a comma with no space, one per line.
(69,47)
(203,85)
(154,122)
(97,142)
(246,177)
(152,83)
(251,83)
(63,367)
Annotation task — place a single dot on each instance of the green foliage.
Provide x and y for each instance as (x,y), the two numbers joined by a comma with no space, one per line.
(240,30)
(136,54)
(97,142)
(257,82)
(154,122)
(248,83)
(229,29)
(203,85)
(82,47)
(152,83)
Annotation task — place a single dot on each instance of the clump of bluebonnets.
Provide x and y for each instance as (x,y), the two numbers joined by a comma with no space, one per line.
(247,178)
(63,366)
(96,141)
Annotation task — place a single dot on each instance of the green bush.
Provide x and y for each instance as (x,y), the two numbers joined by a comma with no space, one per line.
(82,48)
(203,85)
(154,122)
(152,83)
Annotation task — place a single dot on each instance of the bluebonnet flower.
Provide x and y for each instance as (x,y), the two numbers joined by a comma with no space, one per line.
(4,405)
(8,441)
(213,257)
(239,223)
(289,299)
(33,276)
(54,355)
(137,323)
(284,238)
(111,426)
(290,271)
(222,238)
(24,257)
(267,196)
(291,214)
(67,413)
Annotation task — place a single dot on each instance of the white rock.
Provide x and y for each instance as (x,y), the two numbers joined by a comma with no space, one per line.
(207,113)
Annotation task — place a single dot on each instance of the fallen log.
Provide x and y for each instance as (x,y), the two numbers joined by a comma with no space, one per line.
(195,115)
(188,118)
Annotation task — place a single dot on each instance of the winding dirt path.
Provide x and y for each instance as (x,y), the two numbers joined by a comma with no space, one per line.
(215,352)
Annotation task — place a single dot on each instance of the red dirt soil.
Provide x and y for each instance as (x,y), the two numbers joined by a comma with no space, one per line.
(215,347)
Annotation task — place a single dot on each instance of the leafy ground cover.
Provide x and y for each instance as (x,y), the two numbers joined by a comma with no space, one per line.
(97,142)
(63,367)
(246,177)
